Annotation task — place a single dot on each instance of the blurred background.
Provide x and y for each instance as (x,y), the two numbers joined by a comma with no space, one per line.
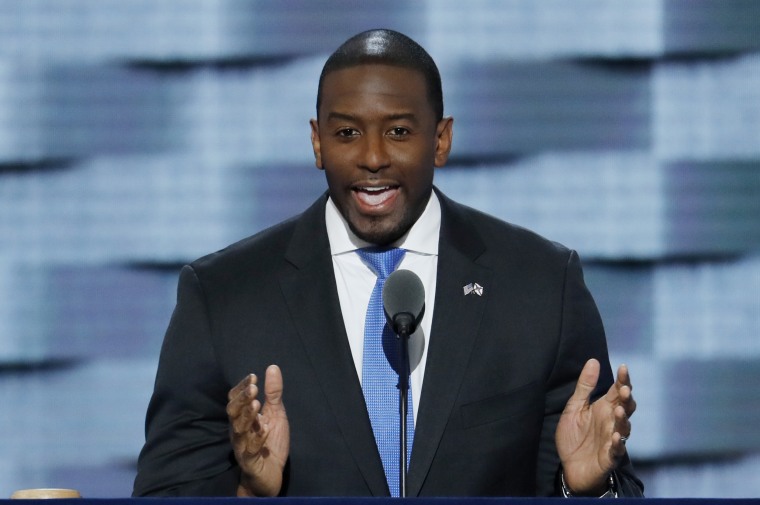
(138,135)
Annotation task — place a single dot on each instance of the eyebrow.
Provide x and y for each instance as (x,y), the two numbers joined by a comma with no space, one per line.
(391,117)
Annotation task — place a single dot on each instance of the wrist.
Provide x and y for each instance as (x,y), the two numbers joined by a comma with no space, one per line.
(244,492)
(607,490)
(246,486)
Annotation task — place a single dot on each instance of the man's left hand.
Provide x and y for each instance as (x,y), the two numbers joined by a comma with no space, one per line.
(591,437)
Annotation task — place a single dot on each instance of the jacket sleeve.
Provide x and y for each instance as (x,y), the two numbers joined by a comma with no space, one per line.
(582,338)
(187,451)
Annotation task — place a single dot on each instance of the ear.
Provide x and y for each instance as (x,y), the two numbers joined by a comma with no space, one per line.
(316,145)
(444,135)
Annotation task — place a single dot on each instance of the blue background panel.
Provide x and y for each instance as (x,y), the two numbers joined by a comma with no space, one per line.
(137,136)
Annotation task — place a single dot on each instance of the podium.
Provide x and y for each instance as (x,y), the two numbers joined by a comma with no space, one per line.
(388,501)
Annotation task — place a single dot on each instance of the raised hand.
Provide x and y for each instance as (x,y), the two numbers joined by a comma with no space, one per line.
(591,437)
(260,434)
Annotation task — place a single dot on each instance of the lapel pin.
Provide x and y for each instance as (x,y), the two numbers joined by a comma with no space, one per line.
(473,287)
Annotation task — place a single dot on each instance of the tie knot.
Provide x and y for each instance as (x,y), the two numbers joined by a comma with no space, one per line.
(382,260)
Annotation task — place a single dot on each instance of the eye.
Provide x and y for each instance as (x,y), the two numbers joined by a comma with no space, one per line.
(347,132)
(398,131)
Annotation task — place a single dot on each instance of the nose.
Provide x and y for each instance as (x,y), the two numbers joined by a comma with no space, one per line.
(375,155)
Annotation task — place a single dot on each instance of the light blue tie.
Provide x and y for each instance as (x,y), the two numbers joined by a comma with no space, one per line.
(380,369)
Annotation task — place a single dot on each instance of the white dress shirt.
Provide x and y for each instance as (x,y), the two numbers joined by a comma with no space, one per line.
(356,280)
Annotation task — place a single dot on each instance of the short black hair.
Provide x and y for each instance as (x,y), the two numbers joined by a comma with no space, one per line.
(386,47)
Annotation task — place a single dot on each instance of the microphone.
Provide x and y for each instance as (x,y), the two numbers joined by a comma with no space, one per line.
(403,301)
(404,304)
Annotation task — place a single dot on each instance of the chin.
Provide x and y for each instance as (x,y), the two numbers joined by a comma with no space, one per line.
(379,235)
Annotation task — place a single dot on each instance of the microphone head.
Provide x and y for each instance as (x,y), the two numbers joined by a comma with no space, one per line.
(404,301)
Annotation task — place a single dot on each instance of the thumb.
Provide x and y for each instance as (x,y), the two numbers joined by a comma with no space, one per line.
(273,386)
(586,382)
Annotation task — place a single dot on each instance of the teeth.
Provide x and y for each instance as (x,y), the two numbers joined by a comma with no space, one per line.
(372,199)
(374,196)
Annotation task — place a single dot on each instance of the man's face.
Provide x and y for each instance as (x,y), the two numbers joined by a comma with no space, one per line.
(378,141)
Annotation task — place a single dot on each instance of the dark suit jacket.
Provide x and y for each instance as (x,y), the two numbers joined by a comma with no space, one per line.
(500,366)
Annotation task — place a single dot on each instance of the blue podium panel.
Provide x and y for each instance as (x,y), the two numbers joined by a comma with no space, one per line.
(376,501)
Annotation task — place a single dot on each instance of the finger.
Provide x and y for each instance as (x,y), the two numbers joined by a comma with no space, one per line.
(624,390)
(243,398)
(620,392)
(626,400)
(245,419)
(586,381)
(255,441)
(623,377)
(248,421)
(618,445)
(622,422)
(630,407)
(240,386)
(235,405)
(273,386)
(622,431)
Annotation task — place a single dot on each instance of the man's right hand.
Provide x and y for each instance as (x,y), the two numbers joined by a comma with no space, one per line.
(260,435)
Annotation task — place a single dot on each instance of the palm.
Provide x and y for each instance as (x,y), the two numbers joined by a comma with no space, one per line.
(589,435)
(260,434)
(583,441)
(265,455)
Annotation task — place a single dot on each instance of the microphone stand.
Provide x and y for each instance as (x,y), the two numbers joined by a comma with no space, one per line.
(403,395)
(404,304)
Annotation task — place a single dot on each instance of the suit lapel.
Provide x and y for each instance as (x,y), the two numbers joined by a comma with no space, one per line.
(312,299)
(455,325)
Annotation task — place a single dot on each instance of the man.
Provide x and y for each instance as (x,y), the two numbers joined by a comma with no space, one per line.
(503,374)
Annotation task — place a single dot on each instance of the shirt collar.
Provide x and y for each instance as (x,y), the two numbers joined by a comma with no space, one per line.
(421,238)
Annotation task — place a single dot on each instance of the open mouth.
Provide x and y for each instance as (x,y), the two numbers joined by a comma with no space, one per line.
(375,196)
